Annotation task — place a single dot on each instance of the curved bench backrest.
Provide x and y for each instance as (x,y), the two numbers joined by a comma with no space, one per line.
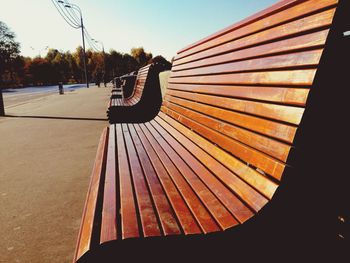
(140,82)
(245,88)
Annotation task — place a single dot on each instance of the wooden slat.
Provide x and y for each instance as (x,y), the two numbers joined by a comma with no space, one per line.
(128,210)
(278,7)
(184,215)
(248,194)
(273,129)
(283,113)
(87,222)
(249,175)
(109,213)
(312,40)
(293,96)
(306,58)
(204,219)
(166,216)
(285,77)
(227,197)
(269,165)
(217,210)
(317,21)
(267,145)
(148,217)
(293,13)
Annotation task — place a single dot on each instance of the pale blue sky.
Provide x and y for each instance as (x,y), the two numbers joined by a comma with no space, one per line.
(160,26)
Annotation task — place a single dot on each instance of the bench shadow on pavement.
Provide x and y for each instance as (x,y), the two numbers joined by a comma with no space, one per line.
(56,118)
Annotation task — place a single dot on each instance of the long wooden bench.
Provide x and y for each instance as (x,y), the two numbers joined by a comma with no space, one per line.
(145,101)
(229,132)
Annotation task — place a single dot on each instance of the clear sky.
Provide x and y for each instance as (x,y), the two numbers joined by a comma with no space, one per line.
(162,27)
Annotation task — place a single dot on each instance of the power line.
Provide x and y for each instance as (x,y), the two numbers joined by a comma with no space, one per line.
(91,42)
(68,15)
(72,19)
(63,16)
(71,10)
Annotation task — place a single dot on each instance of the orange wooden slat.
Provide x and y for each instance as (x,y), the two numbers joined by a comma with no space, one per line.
(109,213)
(264,24)
(148,217)
(269,165)
(283,77)
(86,228)
(294,96)
(245,172)
(313,22)
(298,59)
(312,40)
(184,215)
(224,194)
(283,113)
(267,145)
(166,216)
(204,219)
(248,194)
(217,210)
(273,129)
(129,224)
(276,8)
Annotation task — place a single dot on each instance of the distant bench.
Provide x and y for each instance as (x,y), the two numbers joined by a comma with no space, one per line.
(128,84)
(145,100)
(216,153)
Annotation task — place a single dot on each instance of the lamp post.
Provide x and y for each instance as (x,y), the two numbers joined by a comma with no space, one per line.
(73,6)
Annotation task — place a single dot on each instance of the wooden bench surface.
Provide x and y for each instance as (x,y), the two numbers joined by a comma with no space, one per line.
(215,154)
(138,89)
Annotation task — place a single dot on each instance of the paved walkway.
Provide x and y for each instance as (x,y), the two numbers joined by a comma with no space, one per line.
(46,158)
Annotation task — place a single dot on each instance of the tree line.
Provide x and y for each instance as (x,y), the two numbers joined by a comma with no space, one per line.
(67,67)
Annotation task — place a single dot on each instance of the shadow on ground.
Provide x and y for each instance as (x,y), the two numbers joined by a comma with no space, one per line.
(56,118)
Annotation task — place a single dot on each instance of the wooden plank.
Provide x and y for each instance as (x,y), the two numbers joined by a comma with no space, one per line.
(252,177)
(312,40)
(203,217)
(228,198)
(222,216)
(109,213)
(128,210)
(148,216)
(293,96)
(285,77)
(267,145)
(317,21)
(275,8)
(187,221)
(297,59)
(283,113)
(247,193)
(166,216)
(273,129)
(273,21)
(87,222)
(266,163)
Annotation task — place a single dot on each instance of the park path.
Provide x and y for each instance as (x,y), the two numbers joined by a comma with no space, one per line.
(47,150)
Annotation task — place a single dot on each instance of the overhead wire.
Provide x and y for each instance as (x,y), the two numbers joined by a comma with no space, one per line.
(68,15)
(72,19)
(72,13)
(57,6)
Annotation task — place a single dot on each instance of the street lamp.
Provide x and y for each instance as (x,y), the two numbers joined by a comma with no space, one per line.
(75,7)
